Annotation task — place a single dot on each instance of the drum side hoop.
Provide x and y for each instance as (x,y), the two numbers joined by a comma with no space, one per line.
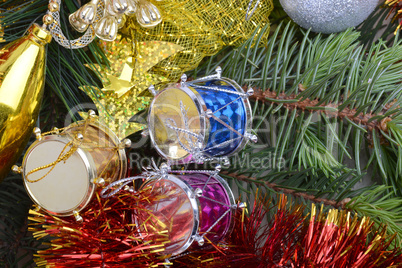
(204,121)
(88,162)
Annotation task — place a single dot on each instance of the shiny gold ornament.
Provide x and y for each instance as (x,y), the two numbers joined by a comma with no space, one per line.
(106,28)
(22,78)
(53,7)
(84,16)
(118,101)
(147,14)
(202,28)
(113,16)
(48,19)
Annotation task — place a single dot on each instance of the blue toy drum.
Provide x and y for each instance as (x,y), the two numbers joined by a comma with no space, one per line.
(200,120)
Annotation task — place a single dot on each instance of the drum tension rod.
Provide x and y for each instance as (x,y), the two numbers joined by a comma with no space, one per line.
(217,75)
(38,133)
(98,181)
(152,90)
(77,216)
(199,239)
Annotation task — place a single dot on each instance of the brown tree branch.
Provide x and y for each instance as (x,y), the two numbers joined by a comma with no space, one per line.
(361,119)
(275,187)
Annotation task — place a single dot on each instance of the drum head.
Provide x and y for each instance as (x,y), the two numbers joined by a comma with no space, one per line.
(68,186)
(174,211)
(166,108)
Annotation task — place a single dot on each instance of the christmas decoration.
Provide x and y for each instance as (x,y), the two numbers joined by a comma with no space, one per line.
(190,213)
(202,28)
(193,206)
(128,76)
(200,120)
(328,16)
(326,110)
(113,16)
(107,236)
(63,167)
(53,20)
(332,239)
(22,68)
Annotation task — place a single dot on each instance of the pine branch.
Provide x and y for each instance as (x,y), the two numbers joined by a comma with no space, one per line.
(16,245)
(378,22)
(382,208)
(333,203)
(319,101)
(368,121)
(322,99)
(372,202)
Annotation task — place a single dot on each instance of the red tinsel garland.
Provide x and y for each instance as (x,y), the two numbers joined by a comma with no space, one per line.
(332,239)
(107,237)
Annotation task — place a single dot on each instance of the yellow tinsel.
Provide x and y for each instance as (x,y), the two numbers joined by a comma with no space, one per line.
(202,28)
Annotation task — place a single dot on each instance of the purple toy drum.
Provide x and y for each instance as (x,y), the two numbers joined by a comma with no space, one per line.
(191,207)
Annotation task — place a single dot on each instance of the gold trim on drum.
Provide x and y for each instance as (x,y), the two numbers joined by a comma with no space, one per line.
(99,139)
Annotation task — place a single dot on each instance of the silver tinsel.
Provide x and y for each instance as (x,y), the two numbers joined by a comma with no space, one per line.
(328,16)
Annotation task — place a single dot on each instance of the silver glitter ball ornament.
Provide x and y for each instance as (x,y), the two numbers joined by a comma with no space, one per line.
(328,16)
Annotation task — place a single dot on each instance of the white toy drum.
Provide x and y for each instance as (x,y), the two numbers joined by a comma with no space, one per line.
(61,170)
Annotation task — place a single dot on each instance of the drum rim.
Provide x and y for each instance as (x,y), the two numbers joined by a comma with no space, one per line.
(195,205)
(204,122)
(88,162)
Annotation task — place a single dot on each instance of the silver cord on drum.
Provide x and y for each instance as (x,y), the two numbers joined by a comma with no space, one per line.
(120,185)
(196,149)
(149,172)
(216,171)
(217,76)
(195,141)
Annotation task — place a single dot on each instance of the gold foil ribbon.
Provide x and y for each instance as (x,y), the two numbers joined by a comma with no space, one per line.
(202,28)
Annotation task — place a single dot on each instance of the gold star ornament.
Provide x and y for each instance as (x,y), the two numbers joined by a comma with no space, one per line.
(125,79)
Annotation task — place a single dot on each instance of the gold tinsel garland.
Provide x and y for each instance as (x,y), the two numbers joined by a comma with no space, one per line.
(202,28)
